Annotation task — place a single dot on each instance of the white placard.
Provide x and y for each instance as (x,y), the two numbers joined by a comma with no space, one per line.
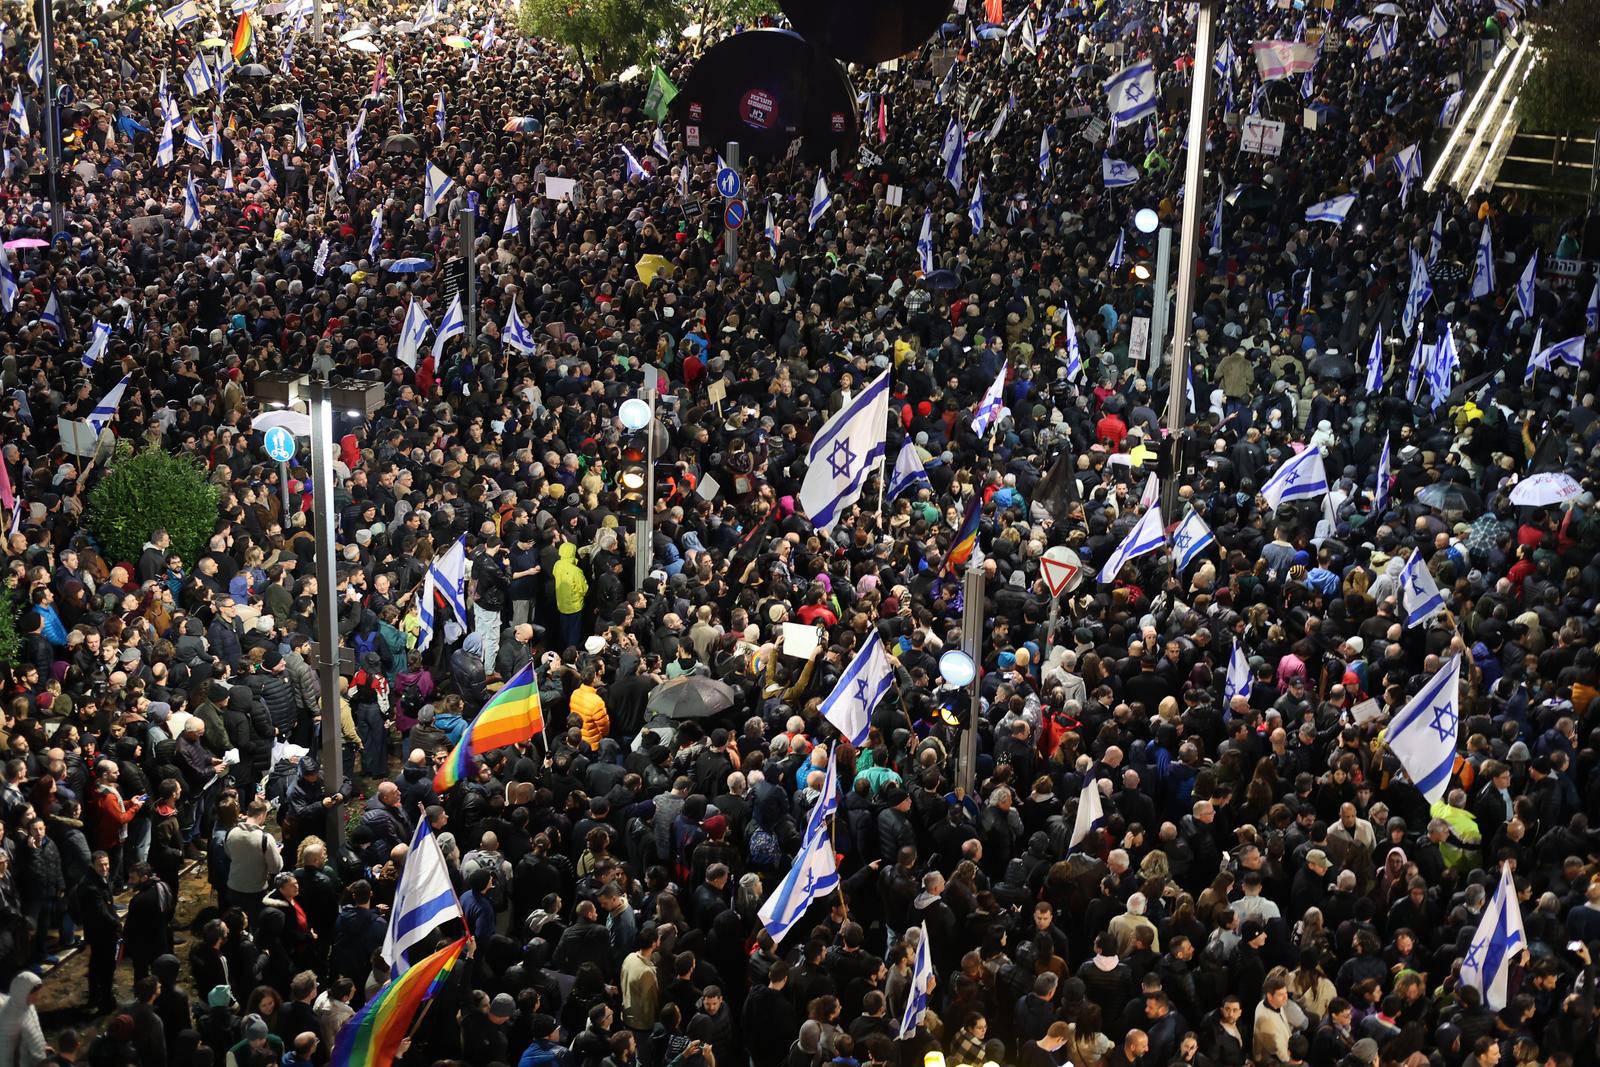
(79,438)
(1310,118)
(1139,340)
(1262,136)
(560,188)
(708,488)
(799,640)
(895,195)
(1094,131)
(1366,711)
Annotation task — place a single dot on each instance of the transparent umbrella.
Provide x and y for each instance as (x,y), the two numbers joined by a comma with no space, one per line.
(1450,498)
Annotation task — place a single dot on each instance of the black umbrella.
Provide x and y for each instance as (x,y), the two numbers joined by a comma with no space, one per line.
(254,70)
(282,109)
(1447,270)
(401,144)
(1334,365)
(941,280)
(1250,197)
(691,697)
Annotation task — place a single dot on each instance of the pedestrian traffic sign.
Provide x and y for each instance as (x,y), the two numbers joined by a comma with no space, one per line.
(733,215)
(279,444)
(728,183)
(1061,568)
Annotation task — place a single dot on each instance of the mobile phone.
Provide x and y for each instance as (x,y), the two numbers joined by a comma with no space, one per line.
(1574,946)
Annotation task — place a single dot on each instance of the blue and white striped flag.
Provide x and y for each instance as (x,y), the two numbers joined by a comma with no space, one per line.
(399,102)
(36,64)
(992,406)
(19,114)
(8,283)
(1300,476)
(658,145)
(193,138)
(634,169)
(1497,943)
(447,579)
(51,317)
(180,15)
(1483,272)
(1044,154)
(1148,535)
(815,873)
(1131,93)
(439,115)
(849,447)
(300,137)
(165,153)
(975,208)
(1423,735)
(1222,60)
(773,234)
(214,143)
(1591,312)
(197,76)
(1380,500)
(1236,682)
(925,244)
(1091,813)
(827,797)
(1451,109)
(1216,229)
(1437,27)
(820,199)
(1526,285)
(375,242)
(1115,262)
(870,674)
(97,344)
(1384,41)
(1074,356)
(437,186)
(1418,294)
(953,151)
(424,900)
(1192,537)
(516,332)
(908,472)
(1442,367)
(412,331)
(1436,237)
(106,410)
(1421,356)
(920,989)
(1334,210)
(1420,595)
(1569,352)
(1116,173)
(513,223)
(1374,383)
(454,325)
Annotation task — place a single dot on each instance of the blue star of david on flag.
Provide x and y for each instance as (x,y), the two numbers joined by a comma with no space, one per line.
(870,674)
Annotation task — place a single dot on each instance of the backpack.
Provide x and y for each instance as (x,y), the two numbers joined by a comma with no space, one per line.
(764,848)
(280,778)
(368,642)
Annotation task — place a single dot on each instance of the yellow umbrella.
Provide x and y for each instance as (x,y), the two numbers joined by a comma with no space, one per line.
(213,42)
(649,266)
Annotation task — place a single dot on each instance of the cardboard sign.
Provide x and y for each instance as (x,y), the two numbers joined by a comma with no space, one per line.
(1262,136)
(560,188)
(799,640)
(895,195)
(1139,340)
(717,392)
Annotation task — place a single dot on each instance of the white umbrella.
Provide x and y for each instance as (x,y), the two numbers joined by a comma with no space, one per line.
(361,44)
(296,422)
(1387,9)
(1539,490)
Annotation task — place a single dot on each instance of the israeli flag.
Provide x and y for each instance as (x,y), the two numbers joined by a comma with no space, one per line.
(827,798)
(849,447)
(975,211)
(375,243)
(51,316)
(774,235)
(424,900)
(1421,356)
(164,150)
(1191,538)
(1437,27)
(820,199)
(412,331)
(1131,93)
(1044,154)
(19,114)
(1375,364)
(1216,229)
(439,115)
(1300,476)
(1591,313)
(193,138)
(869,676)
(1091,812)
(1496,944)
(399,102)
(635,170)
(197,76)
(106,410)
(1420,594)
(908,472)
(1418,295)
(1222,61)
(953,151)
(1423,735)
(437,186)
(1117,174)
(1333,210)
(925,244)
(214,142)
(36,63)
(454,325)
(447,578)
(1074,356)
(8,283)
(1569,352)
(1117,253)
(1385,40)
(1148,535)
(1442,368)
(998,123)
(992,406)
(513,225)
(331,169)
(1237,681)
(1381,497)
(920,989)
(945,85)
(1483,274)
(178,16)
(516,334)
(1451,109)
(97,344)
(300,138)
(227,180)
(815,873)
(1525,285)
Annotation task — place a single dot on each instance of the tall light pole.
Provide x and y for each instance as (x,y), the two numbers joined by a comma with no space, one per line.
(52,118)
(1194,172)
(322,514)
(639,415)
(972,590)
(1145,220)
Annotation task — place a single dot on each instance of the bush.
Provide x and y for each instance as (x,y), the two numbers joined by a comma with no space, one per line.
(146,491)
(10,643)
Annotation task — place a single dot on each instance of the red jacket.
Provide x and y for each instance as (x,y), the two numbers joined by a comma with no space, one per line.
(109,824)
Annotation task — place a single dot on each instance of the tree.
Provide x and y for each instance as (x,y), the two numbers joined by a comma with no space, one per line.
(150,490)
(10,643)
(1562,92)
(604,35)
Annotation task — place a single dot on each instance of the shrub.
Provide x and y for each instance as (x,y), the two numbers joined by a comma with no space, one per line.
(149,490)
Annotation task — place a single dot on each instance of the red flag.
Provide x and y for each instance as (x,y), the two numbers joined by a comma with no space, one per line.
(379,75)
(883,119)
(995,11)
(8,499)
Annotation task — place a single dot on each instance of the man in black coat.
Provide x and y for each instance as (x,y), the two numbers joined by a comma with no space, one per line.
(96,909)
(769,1021)
(894,825)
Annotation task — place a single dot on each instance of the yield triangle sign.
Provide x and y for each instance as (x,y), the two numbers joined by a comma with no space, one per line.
(1061,569)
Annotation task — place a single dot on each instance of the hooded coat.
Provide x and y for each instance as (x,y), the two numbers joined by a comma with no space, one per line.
(21,1037)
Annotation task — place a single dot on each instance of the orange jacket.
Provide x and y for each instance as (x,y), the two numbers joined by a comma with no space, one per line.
(592,710)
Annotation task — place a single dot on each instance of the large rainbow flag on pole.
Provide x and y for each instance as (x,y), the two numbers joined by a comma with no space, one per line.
(966,537)
(373,1035)
(243,35)
(513,715)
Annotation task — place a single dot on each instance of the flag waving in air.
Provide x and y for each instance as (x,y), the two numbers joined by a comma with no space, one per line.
(1496,944)
(513,715)
(849,447)
(1423,735)
(424,900)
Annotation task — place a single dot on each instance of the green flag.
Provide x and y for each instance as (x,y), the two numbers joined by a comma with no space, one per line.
(660,95)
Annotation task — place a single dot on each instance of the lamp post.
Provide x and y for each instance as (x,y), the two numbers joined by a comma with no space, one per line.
(1189,241)
(52,117)
(637,415)
(963,671)
(1145,220)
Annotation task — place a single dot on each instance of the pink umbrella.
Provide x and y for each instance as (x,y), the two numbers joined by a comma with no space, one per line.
(27,242)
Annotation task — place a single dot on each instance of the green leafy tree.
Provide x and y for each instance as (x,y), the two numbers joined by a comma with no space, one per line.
(150,490)
(10,643)
(604,35)
(1562,92)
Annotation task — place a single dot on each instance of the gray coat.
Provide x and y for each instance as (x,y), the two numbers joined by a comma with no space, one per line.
(303,680)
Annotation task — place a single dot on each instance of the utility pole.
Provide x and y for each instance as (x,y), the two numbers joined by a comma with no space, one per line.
(469,239)
(323,518)
(730,237)
(52,123)
(316,19)
(972,590)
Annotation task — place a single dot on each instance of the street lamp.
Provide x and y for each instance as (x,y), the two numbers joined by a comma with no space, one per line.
(971,652)
(1146,220)
(638,417)
(957,668)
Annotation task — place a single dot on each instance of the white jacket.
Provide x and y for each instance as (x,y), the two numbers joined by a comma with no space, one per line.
(21,1039)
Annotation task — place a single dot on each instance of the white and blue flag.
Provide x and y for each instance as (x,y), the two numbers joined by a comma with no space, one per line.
(658,145)
(51,317)
(1380,499)
(1334,210)
(773,234)
(1569,352)
(1374,383)
(1091,813)
(180,15)
(19,114)
(1117,252)
(106,410)
(193,138)
(97,344)
(1384,41)
(412,331)
(437,187)
(1419,593)
(1131,93)
(36,63)
(1116,173)
(1525,285)
(1074,356)
(1237,681)
(820,199)
(513,224)
(849,447)
(1496,944)
(975,210)
(447,578)
(516,333)
(953,151)
(1591,311)
(439,115)
(1423,735)
(827,797)
(1216,229)
(375,242)
(1222,60)
(1044,154)
(992,406)
(1299,477)
(8,282)
(908,472)
(925,244)
(920,989)
(1436,237)
(1417,294)
(1483,273)
(1148,535)
(1442,367)
(454,325)
(1192,537)
(863,683)
(165,153)
(198,77)
(424,899)
(815,873)
(1437,27)
(635,169)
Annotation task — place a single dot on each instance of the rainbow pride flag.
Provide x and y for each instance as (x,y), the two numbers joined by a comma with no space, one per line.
(243,35)
(372,1036)
(966,537)
(513,715)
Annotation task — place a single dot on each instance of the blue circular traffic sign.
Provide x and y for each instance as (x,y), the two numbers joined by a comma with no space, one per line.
(728,183)
(733,215)
(279,444)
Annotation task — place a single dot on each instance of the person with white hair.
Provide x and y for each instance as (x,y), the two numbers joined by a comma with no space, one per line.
(1125,926)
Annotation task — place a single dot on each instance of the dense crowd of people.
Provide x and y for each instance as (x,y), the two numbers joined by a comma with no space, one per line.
(1266,886)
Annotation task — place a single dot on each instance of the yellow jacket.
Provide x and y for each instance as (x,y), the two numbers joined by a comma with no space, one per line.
(592,710)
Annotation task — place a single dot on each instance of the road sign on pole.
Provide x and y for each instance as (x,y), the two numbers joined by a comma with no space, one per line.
(734,214)
(1062,570)
(279,444)
(728,183)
